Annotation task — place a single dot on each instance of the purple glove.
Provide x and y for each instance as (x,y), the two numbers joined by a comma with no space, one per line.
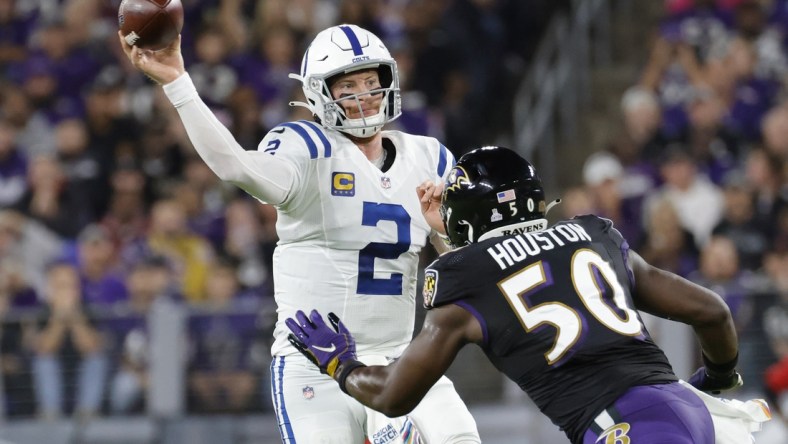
(704,381)
(715,378)
(326,347)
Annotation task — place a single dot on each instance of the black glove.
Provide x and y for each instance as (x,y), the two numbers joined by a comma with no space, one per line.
(716,378)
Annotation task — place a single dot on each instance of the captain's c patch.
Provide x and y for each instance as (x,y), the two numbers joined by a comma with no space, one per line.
(343,184)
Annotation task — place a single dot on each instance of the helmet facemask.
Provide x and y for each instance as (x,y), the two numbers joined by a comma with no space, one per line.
(334,53)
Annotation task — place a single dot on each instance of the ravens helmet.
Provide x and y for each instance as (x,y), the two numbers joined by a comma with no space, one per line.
(491,191)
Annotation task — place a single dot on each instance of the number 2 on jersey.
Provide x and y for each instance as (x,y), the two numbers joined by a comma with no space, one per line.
(374,213)
(565,319)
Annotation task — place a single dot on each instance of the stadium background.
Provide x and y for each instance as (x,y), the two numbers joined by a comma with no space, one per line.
(669,117)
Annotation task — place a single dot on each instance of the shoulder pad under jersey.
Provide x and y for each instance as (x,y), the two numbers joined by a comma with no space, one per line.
(299,139)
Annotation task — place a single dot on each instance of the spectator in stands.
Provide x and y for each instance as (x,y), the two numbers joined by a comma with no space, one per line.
(246,117)
(15,290)
(39,82)
(766,172)
(75,14)
(417,117)
(699,26)
(168,235)
(266,70)
(149,279)
(305,20)
(738,222)
(688,190)
(15,31)
(126,219)
(677,58)
(113,134)
(206,201)
(667,244)
(774,127)
(603,176)
(780,239)
(34,131)
(713,147)
(244,242)
(364,14)
(223,375)
(14,357)
(102,284)
(68,60)
(66,345)
(753,24)
(162,156)
(81,167)
(640,144)
(52,200)
(212,73)
(30,245)
(747,97)
(719,271)
(13,167)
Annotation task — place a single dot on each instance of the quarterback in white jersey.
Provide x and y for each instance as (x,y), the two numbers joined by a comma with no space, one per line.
(350,227)
(350,234)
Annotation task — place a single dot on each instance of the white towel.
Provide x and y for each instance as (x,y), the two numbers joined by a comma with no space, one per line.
(734,420)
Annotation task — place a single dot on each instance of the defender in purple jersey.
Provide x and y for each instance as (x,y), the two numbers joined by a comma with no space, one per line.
(556,309)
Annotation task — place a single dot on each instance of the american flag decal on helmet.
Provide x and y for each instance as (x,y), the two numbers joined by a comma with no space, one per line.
(506,196)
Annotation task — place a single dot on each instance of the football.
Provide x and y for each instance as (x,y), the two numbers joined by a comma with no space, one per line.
(150,24)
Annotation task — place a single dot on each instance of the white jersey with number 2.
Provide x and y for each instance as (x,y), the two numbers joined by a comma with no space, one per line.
(349,234)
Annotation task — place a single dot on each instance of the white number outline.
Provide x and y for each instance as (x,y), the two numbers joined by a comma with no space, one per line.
(566,320)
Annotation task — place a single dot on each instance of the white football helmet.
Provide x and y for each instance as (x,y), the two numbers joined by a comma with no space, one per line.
(340,50)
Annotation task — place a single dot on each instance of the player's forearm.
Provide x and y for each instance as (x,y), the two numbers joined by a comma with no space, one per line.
(377,387)
(709,316)
(718,339)
(261,175)
(438,241)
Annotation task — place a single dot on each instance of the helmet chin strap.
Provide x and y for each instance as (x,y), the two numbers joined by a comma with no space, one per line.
(301,104)
(522,227)
(550,205)
(470,230)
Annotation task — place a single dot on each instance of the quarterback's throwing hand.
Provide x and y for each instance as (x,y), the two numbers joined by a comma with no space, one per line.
(325,346)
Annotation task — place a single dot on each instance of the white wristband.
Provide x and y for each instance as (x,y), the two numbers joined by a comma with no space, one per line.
(181,90)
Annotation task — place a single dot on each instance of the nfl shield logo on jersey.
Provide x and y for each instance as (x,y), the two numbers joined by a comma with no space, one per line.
(430,287)
(385,182)
(309,392)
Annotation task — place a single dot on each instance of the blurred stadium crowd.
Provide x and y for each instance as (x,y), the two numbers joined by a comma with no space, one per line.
(105,210)
(696,179)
